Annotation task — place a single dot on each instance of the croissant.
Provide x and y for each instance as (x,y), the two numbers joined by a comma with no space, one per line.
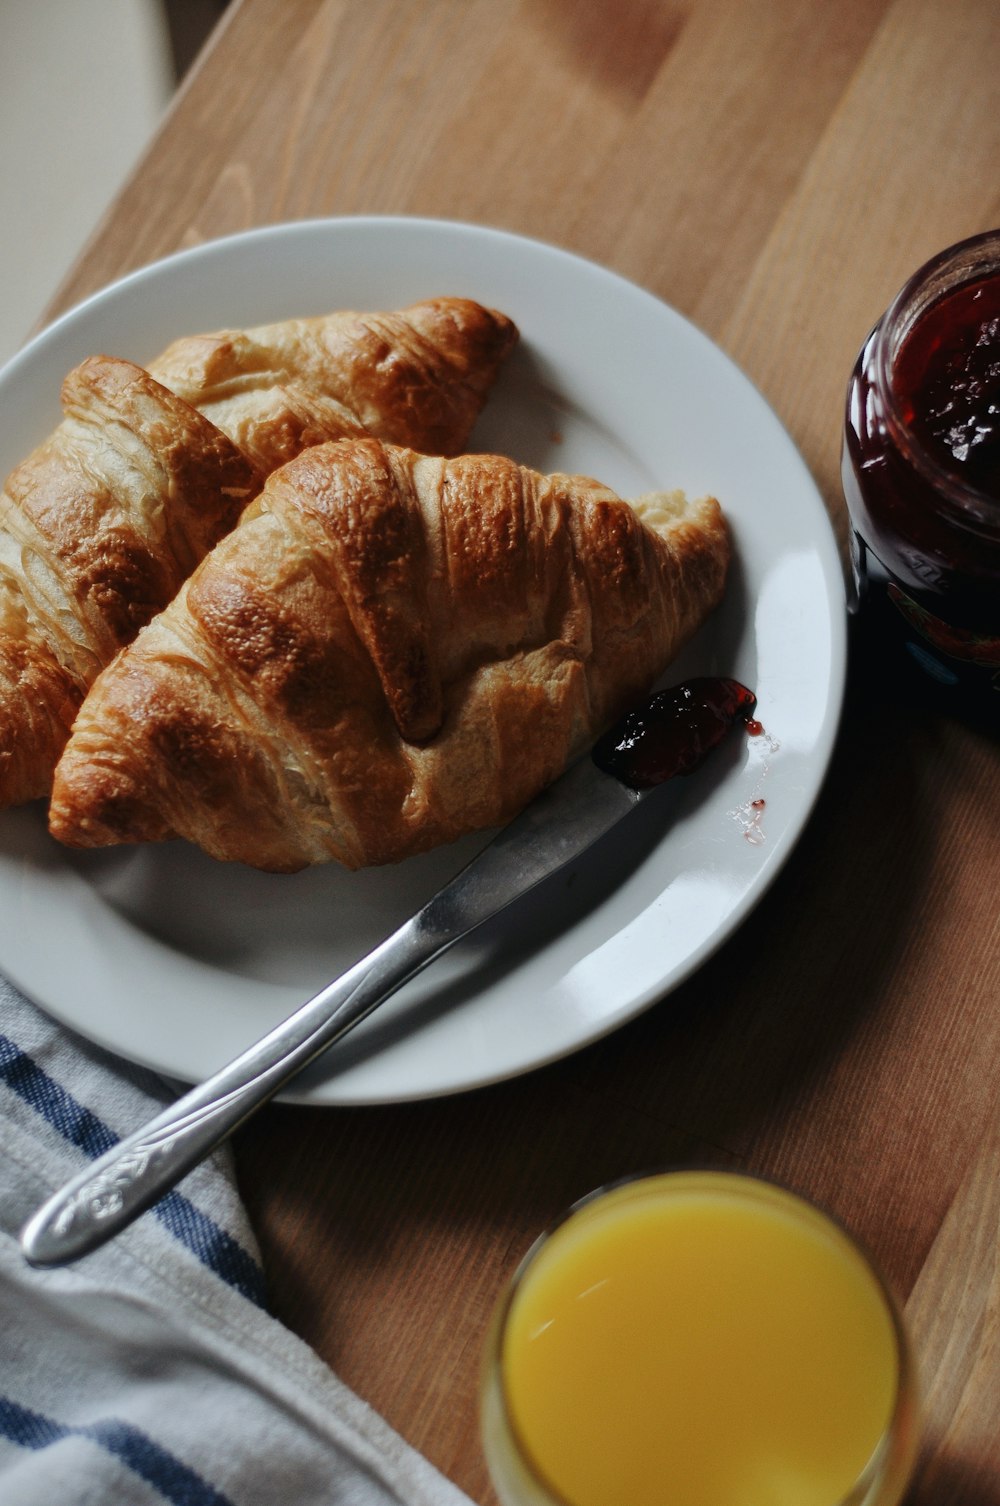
(388,651)
(98,529)
(104,521)
(417,377)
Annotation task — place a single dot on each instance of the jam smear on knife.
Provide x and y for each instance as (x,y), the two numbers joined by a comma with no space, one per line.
(673,731)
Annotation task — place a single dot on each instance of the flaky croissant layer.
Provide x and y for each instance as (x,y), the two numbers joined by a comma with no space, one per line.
(388,651)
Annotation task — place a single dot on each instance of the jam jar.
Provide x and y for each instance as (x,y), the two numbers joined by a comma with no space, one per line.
(921,477)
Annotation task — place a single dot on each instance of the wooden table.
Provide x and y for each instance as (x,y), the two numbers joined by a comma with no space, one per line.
(774,169)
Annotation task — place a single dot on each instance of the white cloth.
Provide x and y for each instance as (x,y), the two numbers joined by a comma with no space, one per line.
(150,1371)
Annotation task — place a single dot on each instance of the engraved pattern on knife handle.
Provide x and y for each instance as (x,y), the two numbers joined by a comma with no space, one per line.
(103,1194)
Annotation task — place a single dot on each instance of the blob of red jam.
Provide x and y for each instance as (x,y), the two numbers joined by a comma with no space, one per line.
(673,731)
(921,475)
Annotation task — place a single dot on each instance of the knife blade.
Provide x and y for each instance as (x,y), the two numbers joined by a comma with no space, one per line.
(668,734)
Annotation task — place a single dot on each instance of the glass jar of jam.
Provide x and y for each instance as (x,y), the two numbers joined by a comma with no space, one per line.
(921,476)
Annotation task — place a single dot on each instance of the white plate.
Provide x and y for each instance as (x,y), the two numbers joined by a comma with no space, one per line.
(178,962)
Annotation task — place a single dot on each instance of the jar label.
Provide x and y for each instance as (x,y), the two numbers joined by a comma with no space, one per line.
(958,643)
(962,662)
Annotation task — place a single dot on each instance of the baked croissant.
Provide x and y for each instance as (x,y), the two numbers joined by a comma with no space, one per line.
(100,526)
(388,651)
(417,377)
(98,529)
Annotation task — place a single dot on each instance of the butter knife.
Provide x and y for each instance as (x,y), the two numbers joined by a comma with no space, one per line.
(668,734)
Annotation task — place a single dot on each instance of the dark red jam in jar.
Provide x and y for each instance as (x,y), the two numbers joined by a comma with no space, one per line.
(921,474)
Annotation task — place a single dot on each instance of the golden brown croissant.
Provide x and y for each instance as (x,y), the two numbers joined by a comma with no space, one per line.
(417,377)
(389,650)
(99,527)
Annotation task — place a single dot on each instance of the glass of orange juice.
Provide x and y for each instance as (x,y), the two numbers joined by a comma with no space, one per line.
(698,1338)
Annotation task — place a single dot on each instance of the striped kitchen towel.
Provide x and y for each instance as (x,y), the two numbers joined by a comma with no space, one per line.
(151,1371)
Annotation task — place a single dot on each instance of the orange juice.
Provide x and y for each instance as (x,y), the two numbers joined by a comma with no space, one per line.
(701,1339)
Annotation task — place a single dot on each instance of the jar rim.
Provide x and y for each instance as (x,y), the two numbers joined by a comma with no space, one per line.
(950,269)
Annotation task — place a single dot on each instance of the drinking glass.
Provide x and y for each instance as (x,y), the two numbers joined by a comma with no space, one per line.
(703,1338)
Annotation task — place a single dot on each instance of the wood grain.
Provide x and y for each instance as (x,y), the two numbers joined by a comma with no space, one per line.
(775,169)
(952,1315)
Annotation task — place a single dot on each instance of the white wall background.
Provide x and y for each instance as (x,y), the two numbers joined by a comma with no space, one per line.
(83,84)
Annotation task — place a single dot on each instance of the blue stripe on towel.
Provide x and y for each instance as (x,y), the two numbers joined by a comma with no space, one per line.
(201,1234)
(175,1481)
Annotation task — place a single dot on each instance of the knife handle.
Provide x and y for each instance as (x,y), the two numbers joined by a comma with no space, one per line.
(136,1172)
(562,822)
